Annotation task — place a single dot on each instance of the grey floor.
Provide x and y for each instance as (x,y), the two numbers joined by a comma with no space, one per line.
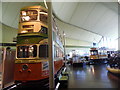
(91,76)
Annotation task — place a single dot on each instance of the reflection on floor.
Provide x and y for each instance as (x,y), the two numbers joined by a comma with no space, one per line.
(91,76)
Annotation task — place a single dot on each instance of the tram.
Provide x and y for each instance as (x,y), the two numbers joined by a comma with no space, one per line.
(96,56)
(32,62)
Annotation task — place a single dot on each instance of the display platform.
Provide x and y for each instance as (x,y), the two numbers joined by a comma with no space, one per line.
(114,70)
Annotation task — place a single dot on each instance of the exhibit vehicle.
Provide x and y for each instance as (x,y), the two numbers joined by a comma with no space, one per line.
(32,62)
(114,64)
(96,56)
(77,60)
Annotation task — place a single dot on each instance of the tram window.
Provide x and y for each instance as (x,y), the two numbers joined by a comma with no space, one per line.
(27,51)
(43,16)
(33,51)
(94,53)
(43,51)
(44,30)
(28,15)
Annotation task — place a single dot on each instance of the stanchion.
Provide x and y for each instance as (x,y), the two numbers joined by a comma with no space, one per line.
(50,43)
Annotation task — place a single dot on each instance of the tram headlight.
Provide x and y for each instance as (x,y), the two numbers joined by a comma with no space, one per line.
(25,67)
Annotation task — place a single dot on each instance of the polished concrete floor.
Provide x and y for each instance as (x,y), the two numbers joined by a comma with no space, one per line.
(91,76)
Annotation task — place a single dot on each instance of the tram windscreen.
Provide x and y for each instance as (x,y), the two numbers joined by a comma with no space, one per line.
(28,15)
(43,51)
(43,16)
(94,52)
(27,51)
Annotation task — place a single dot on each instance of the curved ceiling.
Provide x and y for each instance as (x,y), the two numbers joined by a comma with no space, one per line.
(95,17)
(83,21)
(76,33)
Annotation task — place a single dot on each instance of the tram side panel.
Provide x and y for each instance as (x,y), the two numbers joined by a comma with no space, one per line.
(35,71)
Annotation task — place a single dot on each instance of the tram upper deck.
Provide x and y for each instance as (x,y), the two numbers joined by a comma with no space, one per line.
(33,19)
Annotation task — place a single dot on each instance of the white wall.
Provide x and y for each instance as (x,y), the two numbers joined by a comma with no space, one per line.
(74,42)
(79,45)
(8,33)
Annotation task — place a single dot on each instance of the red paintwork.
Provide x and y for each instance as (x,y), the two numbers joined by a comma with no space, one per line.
(0,67)
(25,75)
(34,72)
(57,65)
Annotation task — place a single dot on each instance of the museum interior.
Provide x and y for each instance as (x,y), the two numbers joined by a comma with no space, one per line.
(59,45)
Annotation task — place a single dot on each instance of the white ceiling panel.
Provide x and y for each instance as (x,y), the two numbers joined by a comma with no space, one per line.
(58,6)
(107,25)
(77,33)
(4,7)
(95,17)
(11,10)
(65,10)
(81,13)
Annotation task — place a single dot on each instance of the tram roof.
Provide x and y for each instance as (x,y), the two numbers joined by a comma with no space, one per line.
(34,7)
